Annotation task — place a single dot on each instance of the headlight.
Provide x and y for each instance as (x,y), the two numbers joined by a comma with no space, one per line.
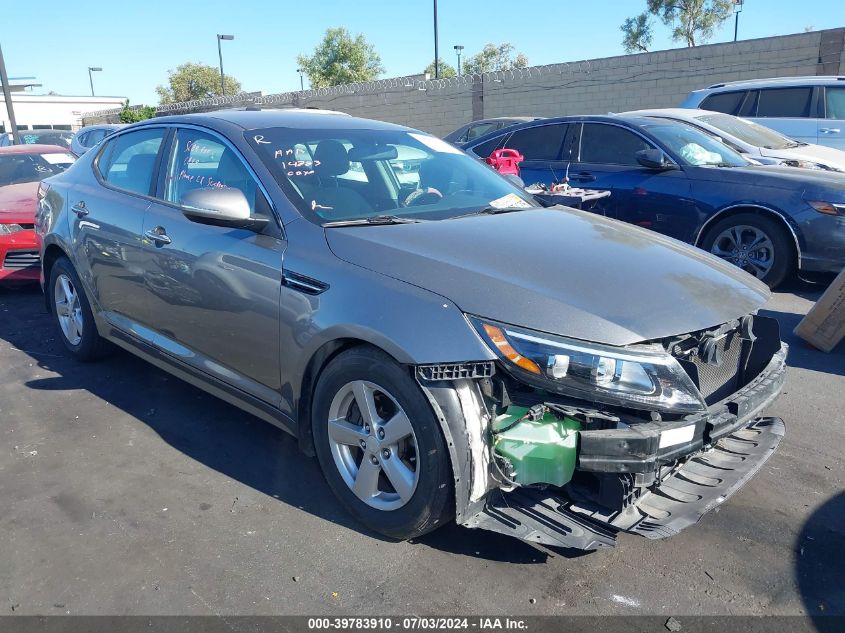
(642,377)
(8,229)
(828,208)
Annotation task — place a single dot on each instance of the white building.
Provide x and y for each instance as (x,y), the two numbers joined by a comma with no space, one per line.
(34,111)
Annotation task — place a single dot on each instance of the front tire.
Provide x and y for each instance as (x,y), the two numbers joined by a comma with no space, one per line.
(380,446)
(756,243)
(72,313)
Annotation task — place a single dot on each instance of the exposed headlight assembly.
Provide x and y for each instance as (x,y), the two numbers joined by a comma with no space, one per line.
(8,229)
(641,377)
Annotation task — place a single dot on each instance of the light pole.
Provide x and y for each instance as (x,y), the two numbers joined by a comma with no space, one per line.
(458,49)
(220,55)
(301,80)
(737,10)
(92,69)
(7,95)
(436,48)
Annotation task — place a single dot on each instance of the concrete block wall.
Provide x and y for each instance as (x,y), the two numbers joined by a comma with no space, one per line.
(596,86)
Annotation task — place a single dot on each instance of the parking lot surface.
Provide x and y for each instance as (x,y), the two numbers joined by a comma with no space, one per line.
(126,491)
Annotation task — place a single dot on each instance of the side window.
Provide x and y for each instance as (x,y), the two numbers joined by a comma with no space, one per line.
(128,161)
(94,137)
(610,145)
(834,99)
(485,149)
(477,131)
(726,102)
(82,138)
(785,102)
(202,161)
(542,142)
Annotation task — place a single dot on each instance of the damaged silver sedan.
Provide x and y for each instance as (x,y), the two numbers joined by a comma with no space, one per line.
(445,348)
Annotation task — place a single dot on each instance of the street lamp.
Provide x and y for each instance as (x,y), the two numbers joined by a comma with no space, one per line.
(220,55)
(7,95)
(301,80)
(458,49)
(92,69)
(737,10)
(436,50)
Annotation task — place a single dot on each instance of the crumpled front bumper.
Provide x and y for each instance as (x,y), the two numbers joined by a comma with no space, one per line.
(729,445)
(680,500)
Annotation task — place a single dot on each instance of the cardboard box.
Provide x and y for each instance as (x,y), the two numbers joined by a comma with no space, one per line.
(824,325)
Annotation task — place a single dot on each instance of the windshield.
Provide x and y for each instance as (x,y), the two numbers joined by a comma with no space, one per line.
(17,168)
(748,132)
(334,175)
(46,137)
(694,146)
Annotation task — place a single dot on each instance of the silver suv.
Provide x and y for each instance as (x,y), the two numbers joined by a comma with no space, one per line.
(808,109)
(444,347)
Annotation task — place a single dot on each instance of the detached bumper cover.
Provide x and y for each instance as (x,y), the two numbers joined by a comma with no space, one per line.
(680,500)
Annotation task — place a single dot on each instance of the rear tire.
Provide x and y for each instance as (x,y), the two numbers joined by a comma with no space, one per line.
(756,243)
(389,466)
(72,313)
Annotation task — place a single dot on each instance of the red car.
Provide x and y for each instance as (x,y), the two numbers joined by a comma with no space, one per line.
(21,169)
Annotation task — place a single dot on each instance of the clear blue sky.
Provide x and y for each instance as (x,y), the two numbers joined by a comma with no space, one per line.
(137,42)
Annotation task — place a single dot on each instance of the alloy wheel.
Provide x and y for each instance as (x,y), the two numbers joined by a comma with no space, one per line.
(68,309)
(747,247)
(373,445)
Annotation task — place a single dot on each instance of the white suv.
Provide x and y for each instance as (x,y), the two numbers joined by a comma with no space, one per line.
(808,109)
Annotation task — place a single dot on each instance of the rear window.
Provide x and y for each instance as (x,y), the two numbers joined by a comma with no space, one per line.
(784,102)
(18,168)
(726,102)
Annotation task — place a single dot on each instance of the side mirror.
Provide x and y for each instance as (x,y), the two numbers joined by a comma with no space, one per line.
(653,159)
(219,207)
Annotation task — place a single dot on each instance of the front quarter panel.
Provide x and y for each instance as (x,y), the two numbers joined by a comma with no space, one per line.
(413,325)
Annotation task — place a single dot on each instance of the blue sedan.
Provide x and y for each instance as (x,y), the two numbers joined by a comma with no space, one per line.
(674,179)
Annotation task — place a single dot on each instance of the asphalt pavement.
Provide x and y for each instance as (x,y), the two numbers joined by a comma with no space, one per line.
(126,491)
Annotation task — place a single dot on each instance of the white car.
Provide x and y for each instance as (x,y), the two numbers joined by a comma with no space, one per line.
(809,109)
(754,141)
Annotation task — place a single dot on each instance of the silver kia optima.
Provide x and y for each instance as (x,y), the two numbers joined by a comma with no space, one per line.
(446,347)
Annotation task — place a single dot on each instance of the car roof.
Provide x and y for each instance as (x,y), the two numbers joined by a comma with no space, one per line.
(292,118)
(809,80)
(584,118)
(102,126)
(34,148)
(681,113)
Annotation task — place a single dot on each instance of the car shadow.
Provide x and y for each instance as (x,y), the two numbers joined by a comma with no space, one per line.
(820,564)
(212,432)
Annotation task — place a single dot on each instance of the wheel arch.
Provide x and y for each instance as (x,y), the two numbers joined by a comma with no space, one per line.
(51,253)
(318,361)
(757,209)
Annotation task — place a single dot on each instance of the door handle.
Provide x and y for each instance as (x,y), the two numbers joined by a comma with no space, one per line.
(584,177)
(158,235)
(80,209)
(830,130)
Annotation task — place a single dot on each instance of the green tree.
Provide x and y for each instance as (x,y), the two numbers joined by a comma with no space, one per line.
(195,81)
(637,34)
(446,70)
(691,21)
(493,57)
(133,115)
(341,59)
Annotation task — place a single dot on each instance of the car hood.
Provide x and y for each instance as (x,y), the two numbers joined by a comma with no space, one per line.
(772,176)
(18,202)
(565,272)
(814,153)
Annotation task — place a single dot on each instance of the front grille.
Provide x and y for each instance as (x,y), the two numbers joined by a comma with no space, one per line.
(17,260)
(716,369)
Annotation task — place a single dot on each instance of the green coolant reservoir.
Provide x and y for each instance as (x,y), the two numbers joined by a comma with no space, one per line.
(541,451)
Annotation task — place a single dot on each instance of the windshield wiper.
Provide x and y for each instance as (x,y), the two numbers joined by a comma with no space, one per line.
(495,211)
(376,219)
